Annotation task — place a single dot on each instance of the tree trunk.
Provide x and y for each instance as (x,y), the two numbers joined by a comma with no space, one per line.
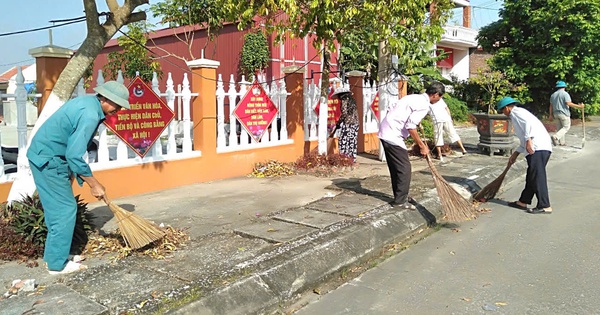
(97,36)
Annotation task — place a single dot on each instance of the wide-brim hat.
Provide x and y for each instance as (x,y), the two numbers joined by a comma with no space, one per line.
(561,84)
(340,91)
(505,102)
(114,91)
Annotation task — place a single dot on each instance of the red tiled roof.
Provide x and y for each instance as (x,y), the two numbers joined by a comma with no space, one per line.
(8,74)
(5,77)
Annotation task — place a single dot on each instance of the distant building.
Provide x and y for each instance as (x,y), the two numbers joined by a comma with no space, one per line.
(8,85)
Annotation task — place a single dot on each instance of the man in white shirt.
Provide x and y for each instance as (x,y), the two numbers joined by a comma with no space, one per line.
(400,123)
(442,125)
(536,144)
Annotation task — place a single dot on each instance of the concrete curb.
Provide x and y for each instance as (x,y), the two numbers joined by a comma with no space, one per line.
(309,262)
(279,273)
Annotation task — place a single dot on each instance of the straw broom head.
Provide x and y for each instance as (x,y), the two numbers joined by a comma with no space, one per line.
(137,231)
(488,192)
(454,206)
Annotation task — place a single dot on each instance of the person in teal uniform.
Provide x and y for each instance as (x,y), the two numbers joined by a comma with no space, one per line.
(56,156)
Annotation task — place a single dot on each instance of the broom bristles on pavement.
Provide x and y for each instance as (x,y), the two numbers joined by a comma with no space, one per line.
(490,190)
(137,231)
(454,206)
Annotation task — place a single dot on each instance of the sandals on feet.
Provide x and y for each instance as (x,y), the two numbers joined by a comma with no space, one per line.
(69,268)
(538,211)
(514,204)
(555,140)
(405,205)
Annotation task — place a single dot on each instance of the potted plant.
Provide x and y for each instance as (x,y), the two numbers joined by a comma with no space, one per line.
(495,130)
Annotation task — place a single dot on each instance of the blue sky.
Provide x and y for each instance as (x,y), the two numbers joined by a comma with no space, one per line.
(38,13)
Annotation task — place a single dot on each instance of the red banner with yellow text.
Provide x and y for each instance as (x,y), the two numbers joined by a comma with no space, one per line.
(256,111)
(140,126)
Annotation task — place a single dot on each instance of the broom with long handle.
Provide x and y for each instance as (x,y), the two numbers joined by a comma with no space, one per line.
(583,124)
(490,190)
(137,231)
(454,206)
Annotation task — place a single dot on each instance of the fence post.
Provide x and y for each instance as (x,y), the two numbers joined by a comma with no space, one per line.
(294,108)
(204,115)
(356,80)
(50,61)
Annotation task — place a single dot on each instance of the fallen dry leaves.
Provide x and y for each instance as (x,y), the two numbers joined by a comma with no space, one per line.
(113,243)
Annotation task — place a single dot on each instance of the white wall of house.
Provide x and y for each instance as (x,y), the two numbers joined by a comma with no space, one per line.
(460,69)
(10,106)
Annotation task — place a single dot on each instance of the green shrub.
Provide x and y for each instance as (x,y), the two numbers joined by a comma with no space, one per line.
(428,137)
(255,53)
(458,108)
(24,224)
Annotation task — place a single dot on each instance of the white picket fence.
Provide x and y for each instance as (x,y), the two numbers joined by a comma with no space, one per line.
(19,97)
(370,123)
(174,143)
(232,136)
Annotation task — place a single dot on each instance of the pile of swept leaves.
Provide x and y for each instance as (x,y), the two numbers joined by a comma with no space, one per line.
(312,164)
(323,164)
(98,245)
(272,168)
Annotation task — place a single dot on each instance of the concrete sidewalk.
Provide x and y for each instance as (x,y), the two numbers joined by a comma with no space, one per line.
(257,244)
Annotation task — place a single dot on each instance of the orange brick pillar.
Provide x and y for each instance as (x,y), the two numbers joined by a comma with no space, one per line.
(294,81)
(467,17)
(50,61)
(204,115)
(356,80)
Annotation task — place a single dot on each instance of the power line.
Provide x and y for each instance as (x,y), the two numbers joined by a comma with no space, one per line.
(42,28)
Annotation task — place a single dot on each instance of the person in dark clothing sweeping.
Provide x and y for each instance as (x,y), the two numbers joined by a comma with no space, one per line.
(536,144)
(400,123)
(56,155)
(347,124)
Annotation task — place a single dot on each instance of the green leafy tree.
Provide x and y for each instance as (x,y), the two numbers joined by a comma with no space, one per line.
(539,42)
(134,58)
(255,53)
(399,23)
(177,13)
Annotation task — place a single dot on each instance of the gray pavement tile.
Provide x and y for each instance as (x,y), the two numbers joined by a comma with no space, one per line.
(275,231)
(54,299)
(342,205)
(312,218)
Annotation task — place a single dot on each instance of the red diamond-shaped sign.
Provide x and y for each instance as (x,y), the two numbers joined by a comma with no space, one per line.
(256,111)
(140,126)
(375,106)
(334,110)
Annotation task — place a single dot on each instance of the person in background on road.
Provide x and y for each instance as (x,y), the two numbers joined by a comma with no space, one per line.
(56,156)
(442,125)
(347,124)
(400,123)
(560,101)
(535,143)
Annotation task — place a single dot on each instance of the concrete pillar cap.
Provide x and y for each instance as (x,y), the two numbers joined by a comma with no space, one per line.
(293,69)
(51,51)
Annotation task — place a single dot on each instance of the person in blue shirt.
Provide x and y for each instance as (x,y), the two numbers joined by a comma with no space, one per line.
(536,145)
(56,156)
(560,101)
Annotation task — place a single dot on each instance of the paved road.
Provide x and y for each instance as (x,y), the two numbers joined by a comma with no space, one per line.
(508,261)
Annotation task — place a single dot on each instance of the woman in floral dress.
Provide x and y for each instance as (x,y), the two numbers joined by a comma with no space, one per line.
(347,125)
